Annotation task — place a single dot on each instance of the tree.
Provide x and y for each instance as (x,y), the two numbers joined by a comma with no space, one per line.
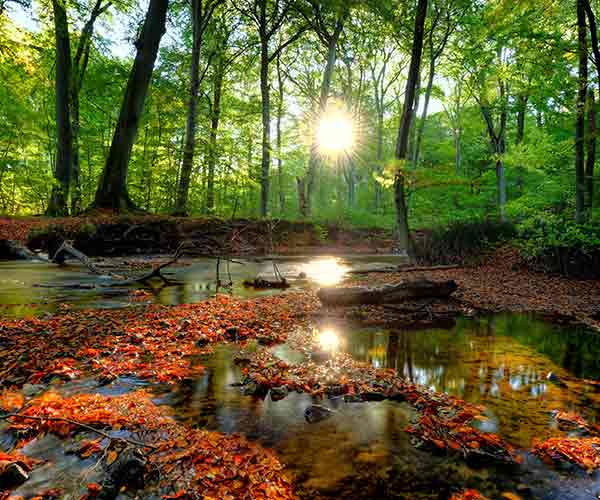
(269,17)
(582,91)
(404,242)
(112,190)
(57,206)
(201,14)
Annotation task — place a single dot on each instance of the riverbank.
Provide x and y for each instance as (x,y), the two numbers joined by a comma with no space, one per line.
(122,236)
(500,282)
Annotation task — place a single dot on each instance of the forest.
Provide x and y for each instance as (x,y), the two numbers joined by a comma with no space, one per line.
(299,249)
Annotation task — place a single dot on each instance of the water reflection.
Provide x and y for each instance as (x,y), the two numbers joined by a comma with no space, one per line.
(363,452)
(325,272)
(495,362)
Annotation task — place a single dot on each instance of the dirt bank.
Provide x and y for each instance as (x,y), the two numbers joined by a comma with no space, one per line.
(109,236)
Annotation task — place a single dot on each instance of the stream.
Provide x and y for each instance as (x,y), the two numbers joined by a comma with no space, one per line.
(499,361)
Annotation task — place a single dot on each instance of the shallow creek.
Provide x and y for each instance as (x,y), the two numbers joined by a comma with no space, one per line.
(362,451)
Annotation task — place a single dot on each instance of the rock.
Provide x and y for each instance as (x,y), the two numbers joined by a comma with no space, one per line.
(127,470)
(232,333)
(302,275)
(279,393)
(12,474)
(254,389)
(353,398)
(317,413)
(30,390)
(264,340)
(374,396)
(202,341)
(320,356)
(555,379)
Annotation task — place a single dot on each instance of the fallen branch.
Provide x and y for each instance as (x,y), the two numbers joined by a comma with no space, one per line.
(78,424)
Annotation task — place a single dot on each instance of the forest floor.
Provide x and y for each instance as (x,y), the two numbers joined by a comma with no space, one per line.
(500,282)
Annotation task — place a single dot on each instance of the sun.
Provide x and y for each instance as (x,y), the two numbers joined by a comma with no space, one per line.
(335,133)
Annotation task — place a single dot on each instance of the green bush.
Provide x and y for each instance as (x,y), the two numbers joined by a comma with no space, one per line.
(555,243)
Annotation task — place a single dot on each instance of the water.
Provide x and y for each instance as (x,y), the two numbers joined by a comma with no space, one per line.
(34,287)
(362,451)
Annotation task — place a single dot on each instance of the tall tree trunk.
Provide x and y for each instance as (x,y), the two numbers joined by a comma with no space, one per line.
(590,161)
(80,63)
(379,159)
(266,111)
(215,117)
(421,129)
(279,136)
(404,241)
(500,150)
(313,162)
(112,191)
(192,111)
(580,120)
(413,121)
(57,206)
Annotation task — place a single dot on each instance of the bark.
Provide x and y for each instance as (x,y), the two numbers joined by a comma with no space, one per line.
(279,136)
(80,63)
(266,111)
(594,34)
(192,111)
(580,113)
(389,294)
(112,191)
(57,206)
(590,161)
(421,128)
(404,130)
(498,144)
(215,117)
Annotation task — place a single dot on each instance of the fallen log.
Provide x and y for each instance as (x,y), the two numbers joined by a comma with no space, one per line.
(389,294)
(402,269)
(263,284)
(11,250)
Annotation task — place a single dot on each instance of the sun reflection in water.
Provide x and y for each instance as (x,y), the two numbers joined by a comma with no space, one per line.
(325,272)
(329,340)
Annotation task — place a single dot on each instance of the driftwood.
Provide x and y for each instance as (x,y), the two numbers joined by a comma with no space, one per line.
(402,269)
(262,284)
(390,294)
(11,250)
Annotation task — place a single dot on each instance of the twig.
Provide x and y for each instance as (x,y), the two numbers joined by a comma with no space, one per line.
(78,424)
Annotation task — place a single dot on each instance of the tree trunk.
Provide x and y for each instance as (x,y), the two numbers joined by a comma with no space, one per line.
(591,152)
(421,129)
(57,206)
(266,111)
(192,111)
(112,191)
(580,113)
(404,130)
(279,136)
(214,129)
(378,167)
